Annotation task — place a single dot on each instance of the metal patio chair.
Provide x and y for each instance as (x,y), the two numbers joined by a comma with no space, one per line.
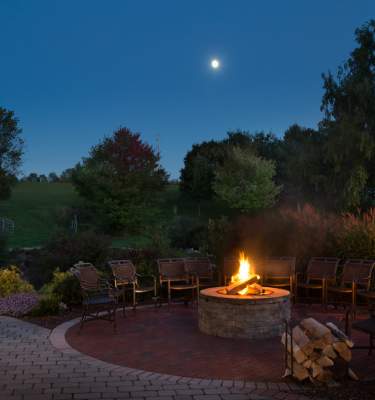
(203,271)
(97,294)
(172,271)
(126,279)
(279,272)
(355,278)
(320,272)
(366,326)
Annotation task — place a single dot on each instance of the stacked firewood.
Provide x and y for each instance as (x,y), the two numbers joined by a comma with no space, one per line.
(317,352)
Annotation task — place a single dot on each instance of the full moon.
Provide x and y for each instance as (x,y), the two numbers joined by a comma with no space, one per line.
(215,63)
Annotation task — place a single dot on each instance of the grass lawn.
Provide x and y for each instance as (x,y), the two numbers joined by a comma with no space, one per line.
(35,209)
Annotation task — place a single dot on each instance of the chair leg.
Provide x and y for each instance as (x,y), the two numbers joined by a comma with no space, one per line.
(169,294)
(371,338)
(83,316)
(134,297)
(123,302)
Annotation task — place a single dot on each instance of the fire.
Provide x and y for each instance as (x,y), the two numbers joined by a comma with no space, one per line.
(244,271)
(245,276)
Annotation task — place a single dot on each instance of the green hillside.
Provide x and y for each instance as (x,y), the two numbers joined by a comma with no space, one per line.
(35,208)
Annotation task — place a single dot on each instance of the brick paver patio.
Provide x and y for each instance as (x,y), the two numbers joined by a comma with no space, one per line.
(37,365)
(169,341)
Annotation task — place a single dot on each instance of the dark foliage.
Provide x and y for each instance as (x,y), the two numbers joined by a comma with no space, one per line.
(11,151)
(121,181)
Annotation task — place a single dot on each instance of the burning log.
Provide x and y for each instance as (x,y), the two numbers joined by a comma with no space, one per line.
(318,352)
(236,287)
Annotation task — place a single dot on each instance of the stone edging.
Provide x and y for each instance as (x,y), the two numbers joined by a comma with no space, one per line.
(58,341)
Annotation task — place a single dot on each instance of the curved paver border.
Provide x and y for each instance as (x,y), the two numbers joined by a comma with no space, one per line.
(58,340)
(36,363)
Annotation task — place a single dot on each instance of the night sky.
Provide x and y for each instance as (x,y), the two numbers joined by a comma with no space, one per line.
(74,71)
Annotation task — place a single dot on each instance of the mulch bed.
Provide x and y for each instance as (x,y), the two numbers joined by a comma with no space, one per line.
(52,321)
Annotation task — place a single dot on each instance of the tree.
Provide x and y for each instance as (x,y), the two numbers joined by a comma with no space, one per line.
(53,178)
(301,167)
(66,175)
(245,181)
(349,123)
(200,163)
(32,177)
(11,151)
(42,178)
(121,180)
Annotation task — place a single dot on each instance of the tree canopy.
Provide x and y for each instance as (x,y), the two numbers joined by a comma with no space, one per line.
(11,151)
(349,123)
(121,180)
(245,181)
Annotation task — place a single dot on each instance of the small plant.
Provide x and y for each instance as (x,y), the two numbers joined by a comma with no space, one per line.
(47,305)
(11,282)
(64,286)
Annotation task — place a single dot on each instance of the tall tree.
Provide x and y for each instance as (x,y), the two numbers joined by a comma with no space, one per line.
(245,181)
(349,122)
(11,151)
(200,164)
(302,170)
(121,180)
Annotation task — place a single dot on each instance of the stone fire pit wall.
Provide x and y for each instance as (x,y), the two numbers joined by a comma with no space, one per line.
(248,317)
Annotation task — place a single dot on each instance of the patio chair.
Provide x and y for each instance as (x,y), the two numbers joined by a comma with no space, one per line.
(355,278)
(173,272)
(126,278)
(366,326)
(96,293)
(279,272)
(203,271)
(320,272)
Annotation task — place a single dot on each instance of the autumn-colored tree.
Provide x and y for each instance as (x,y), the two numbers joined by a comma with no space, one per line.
(121,180)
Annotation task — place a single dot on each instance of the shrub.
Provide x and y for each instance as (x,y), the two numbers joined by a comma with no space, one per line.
(64,286)
(62,252)
(68,249)
(356,237)
(47,305)
(188,232)
(11,282)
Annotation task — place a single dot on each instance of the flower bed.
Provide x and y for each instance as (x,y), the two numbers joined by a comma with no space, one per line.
(19,304)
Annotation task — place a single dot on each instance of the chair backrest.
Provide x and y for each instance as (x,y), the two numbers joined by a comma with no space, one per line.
(87,275)
(123,271)
(279,267)
(322,267)
(172,269)
(200,266)
(359,271)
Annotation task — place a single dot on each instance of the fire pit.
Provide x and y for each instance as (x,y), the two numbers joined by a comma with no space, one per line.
(243,309)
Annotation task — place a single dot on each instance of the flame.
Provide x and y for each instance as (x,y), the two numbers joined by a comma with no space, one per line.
(245,272)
